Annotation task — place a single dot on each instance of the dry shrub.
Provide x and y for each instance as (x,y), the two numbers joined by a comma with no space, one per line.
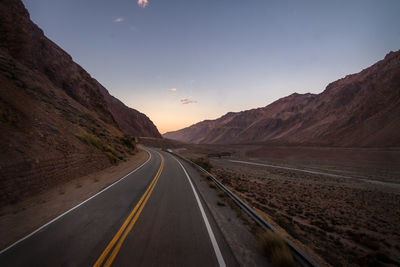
(113,159)
(211,184)
(221,193)
(276,249)
(93,140)
(204,163)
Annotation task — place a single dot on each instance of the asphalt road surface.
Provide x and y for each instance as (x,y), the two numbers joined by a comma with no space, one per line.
(152,217)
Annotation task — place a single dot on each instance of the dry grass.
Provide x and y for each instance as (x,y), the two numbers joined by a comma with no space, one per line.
(205,176)
(211,184)
(93,140)
(204,163)
(221,193)
(96,142)
(275,248)
(113,159)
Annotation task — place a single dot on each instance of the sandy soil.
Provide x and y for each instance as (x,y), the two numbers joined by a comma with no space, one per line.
(22,218)
(347,222)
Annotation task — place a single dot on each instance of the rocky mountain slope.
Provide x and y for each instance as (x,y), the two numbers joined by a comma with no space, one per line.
(129,120)
(361,110)
(56,122)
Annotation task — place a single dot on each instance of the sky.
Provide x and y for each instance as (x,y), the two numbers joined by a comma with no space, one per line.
(183,61)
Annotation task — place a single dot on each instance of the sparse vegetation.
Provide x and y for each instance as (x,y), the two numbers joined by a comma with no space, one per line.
(221,193)
(113,159)
(211,184)
(275,248)
(96,142)
(127,141)
(204,163)
(205,176)
(337,236)
(93,140)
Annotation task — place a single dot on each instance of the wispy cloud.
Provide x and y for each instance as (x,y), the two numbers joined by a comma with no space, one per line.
(186,101)
(142,3)
(117,20)
(173,89)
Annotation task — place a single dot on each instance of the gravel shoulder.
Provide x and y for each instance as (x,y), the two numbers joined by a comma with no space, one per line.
(237,229)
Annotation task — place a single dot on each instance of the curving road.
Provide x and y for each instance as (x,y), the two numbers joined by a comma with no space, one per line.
(151,217)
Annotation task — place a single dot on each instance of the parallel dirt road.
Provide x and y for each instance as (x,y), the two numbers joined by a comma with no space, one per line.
(152,217)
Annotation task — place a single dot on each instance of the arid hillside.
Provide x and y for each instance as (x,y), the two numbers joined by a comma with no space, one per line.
(56,121)
(361,110)
(129,120)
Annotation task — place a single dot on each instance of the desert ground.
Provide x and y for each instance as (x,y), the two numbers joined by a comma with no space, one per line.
(340,221)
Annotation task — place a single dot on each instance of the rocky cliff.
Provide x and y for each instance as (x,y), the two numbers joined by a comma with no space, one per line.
(56,122)
(129,120)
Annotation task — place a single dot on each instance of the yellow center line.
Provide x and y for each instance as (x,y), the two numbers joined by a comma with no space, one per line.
(129,221)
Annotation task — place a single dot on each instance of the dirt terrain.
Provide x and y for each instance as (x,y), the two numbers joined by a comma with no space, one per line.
(346,221)
(378,164)
(27,215)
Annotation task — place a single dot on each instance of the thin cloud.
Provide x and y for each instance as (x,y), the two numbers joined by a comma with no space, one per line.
(186,101)
(142,3)
(118,20)
(173,89)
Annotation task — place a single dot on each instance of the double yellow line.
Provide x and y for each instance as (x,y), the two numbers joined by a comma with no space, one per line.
(128,224)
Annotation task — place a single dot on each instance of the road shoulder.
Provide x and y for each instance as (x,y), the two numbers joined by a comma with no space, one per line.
(22,218)
(230,222)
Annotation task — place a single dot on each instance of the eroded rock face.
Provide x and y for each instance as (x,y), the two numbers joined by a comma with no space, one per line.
(362,109)
(26,43)
(57,123)
(129,120)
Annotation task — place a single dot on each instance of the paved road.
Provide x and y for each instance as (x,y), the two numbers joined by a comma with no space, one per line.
(153,217)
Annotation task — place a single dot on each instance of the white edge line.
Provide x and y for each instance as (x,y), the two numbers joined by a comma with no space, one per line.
(209,230)
(77,206)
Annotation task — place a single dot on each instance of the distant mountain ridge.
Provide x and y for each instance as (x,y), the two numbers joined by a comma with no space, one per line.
(361,110)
